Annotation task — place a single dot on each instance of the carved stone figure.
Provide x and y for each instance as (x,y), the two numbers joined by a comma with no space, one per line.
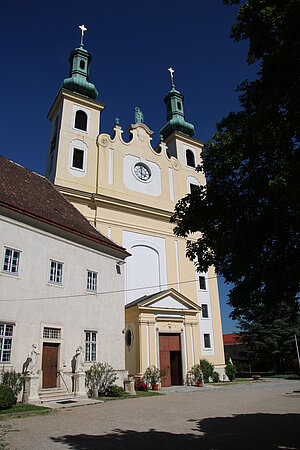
(33,354)
(79,363)
(138,115)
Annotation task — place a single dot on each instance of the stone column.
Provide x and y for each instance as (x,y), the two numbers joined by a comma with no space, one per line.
(31,389)
(152,349)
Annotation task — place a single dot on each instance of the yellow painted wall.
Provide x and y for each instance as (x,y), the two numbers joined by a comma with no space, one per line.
(117,208)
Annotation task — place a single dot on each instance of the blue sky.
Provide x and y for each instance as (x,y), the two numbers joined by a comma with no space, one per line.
(132,44)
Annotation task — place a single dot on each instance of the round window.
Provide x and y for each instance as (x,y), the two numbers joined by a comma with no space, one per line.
(128,337)
(142,171)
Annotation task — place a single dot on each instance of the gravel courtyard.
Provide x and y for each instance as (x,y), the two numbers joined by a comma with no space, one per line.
(255,415)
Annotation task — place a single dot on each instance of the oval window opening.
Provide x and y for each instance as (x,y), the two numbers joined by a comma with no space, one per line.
(128,337)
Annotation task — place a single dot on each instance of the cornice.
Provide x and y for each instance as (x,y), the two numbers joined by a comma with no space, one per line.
(185,138)
(64,93)
(117,203)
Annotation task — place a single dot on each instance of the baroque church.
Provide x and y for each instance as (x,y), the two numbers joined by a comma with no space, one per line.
(128,191)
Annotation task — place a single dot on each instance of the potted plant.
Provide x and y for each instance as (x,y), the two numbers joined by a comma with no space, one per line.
(196,374)
(130,377)
(153,375)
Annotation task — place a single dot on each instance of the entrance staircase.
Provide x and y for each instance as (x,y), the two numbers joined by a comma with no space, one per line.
(55,395)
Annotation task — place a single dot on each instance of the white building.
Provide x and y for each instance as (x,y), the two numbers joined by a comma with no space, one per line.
(61,282)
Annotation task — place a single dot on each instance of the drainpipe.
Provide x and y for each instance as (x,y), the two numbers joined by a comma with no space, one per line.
(93,198)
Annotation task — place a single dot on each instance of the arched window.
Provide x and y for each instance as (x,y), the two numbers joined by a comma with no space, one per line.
(190,158)
(81,120)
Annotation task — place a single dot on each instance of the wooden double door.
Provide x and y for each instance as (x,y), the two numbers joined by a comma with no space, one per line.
(170,359)
(49,365)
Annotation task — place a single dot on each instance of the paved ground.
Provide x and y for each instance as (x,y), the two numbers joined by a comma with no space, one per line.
(262,415)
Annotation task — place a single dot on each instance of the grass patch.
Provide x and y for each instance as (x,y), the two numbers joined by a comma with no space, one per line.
(147,393)
(139,394)
(24,408)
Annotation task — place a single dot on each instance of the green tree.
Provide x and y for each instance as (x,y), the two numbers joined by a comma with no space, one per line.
(269,335)
(248,212)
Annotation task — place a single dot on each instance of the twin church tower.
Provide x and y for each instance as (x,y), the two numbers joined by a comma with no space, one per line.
(128,191)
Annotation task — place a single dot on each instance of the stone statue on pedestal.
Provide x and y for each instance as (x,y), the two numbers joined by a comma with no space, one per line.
(79,362)
(33,354)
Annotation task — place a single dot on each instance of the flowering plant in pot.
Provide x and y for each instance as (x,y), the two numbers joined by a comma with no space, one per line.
(196,374)
(152,376)
(141,385)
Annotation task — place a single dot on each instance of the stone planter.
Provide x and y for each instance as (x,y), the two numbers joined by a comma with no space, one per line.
(95,392)
(129,387)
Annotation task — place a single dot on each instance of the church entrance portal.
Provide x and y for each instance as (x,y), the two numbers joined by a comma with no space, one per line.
(49,365)
(170,359)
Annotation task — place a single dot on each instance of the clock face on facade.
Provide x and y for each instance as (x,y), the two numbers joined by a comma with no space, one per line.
(142,171)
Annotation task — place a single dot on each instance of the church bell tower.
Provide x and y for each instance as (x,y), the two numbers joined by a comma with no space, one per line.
(75,122)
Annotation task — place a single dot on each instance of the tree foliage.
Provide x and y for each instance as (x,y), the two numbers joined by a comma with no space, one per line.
(269,337)
(248,212)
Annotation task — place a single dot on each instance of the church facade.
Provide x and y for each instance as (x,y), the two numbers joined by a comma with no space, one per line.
(128,191)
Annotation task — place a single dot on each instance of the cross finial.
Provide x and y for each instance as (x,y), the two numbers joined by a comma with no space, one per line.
(83,29)
(171,73)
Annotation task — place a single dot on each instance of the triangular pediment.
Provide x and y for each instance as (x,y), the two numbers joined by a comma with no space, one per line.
(168,302)
(169,299)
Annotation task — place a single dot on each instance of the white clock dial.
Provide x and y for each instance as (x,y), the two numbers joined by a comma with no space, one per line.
(142,172)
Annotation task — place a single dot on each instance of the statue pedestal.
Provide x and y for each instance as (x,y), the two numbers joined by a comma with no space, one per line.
(79,382)
(129,387)
(31,389)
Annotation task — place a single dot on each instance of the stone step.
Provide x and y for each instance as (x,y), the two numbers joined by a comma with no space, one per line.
(53,395)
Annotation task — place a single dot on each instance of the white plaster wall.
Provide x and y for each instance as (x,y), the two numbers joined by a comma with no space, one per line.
(146,269)
(29,301)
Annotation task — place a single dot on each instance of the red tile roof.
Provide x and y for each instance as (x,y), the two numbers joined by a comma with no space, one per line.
(232,338)
(31,194)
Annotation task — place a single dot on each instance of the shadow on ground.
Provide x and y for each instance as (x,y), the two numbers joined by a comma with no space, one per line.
(246,431)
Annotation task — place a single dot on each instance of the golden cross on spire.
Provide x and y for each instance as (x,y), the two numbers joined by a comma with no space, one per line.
(83,29)
(171,72)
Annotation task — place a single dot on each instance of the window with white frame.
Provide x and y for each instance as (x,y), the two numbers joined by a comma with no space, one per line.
(207,343)
(91,281)
(11,261)
(78,158)
(204,310)
(56,272)
(90,346)
(202,282)
(193,188)
(81,120)
(190,158)
(51,333)
(6,336)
